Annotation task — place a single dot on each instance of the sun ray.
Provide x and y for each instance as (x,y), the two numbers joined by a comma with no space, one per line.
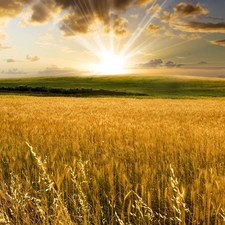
(107,47)
(140,30)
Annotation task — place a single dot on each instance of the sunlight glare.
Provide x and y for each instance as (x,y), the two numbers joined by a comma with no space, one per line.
(110,64)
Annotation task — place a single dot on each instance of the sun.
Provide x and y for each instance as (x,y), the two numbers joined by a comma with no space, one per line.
(110,64)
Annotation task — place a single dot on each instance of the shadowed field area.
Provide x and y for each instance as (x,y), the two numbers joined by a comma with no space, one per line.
(152,86)
(111,161)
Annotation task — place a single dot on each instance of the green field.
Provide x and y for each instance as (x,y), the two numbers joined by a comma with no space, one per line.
(153,86)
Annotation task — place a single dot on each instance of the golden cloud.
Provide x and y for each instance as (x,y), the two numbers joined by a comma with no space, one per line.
(191,37)
(218,42)
(190,10)
(144,2)
(4,47)
(12,8)
(153,29)
(119,27)
(79,16)
(33,59)
(200,27)
(154,9)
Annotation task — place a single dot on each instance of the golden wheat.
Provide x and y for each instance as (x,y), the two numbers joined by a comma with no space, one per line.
(111,161)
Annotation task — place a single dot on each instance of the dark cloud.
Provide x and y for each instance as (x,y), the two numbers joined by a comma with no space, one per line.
(177,20)
(122,5)
(42,11)
(73,23)
(168,17)
(32,59)
(156,63)
(218,42)
(190,10)
(13,71)
(183,10)
(12,8)
(212,18)
(201,27)
(83,15)
(202,63)
(152,64)
(4,47)
(80,16)
(10,60)
(64,4)
(171,64)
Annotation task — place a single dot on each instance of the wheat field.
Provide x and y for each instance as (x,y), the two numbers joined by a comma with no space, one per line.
(111,161)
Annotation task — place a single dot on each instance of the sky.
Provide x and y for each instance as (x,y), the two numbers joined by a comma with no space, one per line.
(69,37)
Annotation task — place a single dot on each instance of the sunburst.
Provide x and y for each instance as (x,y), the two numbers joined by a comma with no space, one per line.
(110,64)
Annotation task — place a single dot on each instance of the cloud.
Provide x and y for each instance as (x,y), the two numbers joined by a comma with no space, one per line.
(13,71)
(73,23)
(153,28)
(168,17)
(39,12)
(202,63)
(156,63)
(12,8)
(218,42)
(33,59)
(152,64)
(212,18)
(4,47)
(189,10)
(122,5)
(79,16)
(201,27)
(191,37)
(144,2)
(11,60)
(154,9)
(42,11)
(83,15)
(119,27)
(171,64)
(54,70)
(170,34)
(178,20)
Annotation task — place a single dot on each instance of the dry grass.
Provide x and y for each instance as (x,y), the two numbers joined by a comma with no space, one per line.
(111,161)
